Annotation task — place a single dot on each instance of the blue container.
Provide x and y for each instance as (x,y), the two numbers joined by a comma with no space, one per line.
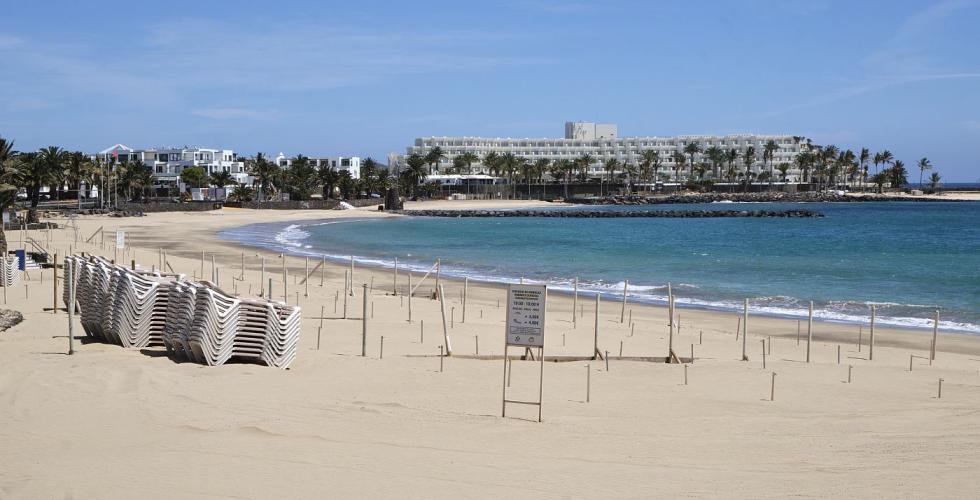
(21,259)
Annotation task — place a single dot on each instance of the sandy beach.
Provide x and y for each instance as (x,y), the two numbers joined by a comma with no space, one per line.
(109,422)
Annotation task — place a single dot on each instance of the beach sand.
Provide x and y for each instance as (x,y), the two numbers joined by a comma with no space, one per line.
(109,422)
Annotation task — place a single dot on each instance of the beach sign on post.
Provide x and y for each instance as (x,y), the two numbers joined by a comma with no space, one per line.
(120,239)
(525,328)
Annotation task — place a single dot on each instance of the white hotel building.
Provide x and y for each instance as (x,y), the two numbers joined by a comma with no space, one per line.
(602,142)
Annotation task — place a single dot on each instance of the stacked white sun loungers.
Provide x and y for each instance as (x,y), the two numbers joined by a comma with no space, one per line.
(194,321)
(9,274)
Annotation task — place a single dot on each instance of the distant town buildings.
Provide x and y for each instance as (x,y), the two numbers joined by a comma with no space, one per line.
(601,142)
(168,162)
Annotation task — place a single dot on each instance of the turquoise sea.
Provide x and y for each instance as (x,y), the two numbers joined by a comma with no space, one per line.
(907,258)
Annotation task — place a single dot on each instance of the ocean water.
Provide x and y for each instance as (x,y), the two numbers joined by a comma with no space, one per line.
(907,258)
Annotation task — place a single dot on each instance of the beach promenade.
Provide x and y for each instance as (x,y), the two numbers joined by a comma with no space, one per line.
(108,422)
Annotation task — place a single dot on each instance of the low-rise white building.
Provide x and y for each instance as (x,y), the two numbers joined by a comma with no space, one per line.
(168,162)
(351,164)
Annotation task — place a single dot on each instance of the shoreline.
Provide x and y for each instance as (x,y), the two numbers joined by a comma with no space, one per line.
(588,289)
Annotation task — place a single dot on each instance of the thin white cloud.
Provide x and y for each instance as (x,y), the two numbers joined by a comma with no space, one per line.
(903,59)
(233,113)
(9,41)
(174,60)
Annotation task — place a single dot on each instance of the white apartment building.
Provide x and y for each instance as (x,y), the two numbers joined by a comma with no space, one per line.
(602,143)
(351,164)
(168,163)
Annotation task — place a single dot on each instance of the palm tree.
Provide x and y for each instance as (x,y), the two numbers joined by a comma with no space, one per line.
(221,178)
(241,193)
(924,164)
(768,152)
(692,148)
(265,172)
(540,167)
(8,187)
(610,166)
(783,169)
(716,156)
(562,169)
(649,162)
(934,179)
(42,169)
(468,159)
(863,159)
(731,156)
(435,155)
(328,179)
(415,173)
(748,158)
(301,178)
(886,157)
(510,163)
(679,160)
(490,161)
(898,176)
(584,162)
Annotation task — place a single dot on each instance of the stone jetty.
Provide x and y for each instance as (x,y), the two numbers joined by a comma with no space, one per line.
(609,214)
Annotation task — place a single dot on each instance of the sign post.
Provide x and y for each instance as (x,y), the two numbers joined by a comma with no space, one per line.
(120,239)
(526,306)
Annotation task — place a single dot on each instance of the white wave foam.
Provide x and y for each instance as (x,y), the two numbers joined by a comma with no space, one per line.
(289,239)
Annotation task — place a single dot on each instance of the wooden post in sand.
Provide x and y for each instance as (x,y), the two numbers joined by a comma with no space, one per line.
(262,282)
(285,281)
(213,267)
(466,287)
(935,335)
(70,283)
(410,296)
(202,264)
(351,273)
(595,337)
(323,268)
(809,330)
(306,278)
(588,383)
(242,277)
(871,340)
(772,388)
(54,282)
(319,329)
(670,321)
(763,353)
(346,274)
(745,328)
(940,395)
(622,311)
(381,351)
(575,302)
(445,329)
(364,319)
(394,278)
(438,273)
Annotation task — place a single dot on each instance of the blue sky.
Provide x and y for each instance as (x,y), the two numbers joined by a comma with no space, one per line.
(367,77)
